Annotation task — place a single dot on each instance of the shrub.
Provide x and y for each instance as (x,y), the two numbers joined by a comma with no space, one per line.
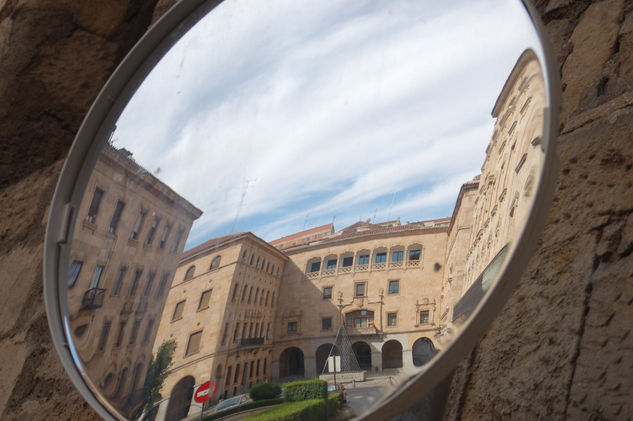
(243,407)
(308,410)
(305,389)
(263,391)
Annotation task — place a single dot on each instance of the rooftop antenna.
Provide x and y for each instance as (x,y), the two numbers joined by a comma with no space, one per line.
(375,210)
(305,221)
(239,207)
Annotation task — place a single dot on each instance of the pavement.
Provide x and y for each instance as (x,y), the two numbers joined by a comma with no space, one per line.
(363,395)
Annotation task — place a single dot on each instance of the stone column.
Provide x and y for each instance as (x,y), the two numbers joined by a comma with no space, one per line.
(274,371)
(376,362)
(407,360)
(309,365)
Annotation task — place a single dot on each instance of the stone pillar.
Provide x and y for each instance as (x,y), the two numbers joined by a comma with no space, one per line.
(309,365)
(407,360)
(274,371)
(162,410)
(376,362)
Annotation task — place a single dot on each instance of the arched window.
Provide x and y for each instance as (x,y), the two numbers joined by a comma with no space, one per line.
(256,296)
(267,293)
(190,272)
(314,265)
(414,255)
(244,256)
(215,263)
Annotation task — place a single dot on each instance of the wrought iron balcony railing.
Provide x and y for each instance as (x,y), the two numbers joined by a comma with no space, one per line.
(251,341)
(93,299)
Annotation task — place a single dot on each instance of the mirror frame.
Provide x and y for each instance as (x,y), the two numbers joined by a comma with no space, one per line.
(96,130)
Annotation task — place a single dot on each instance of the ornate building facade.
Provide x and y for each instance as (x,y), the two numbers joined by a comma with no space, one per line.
(129,235)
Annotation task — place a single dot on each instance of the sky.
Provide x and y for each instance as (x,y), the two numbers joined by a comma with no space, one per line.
(280,118)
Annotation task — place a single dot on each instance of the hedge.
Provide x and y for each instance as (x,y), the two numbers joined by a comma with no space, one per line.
(308,410)
(243,407)
(263,391)
(305,389)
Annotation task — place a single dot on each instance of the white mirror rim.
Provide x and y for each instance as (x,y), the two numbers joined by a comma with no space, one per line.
(96,129)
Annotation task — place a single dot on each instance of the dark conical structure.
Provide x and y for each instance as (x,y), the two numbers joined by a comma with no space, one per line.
(342,348)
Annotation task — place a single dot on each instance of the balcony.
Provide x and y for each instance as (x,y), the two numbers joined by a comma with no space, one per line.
(312,275)
(413,263)
(397,264)
(128,308)
(379,266)
(328,272)
(251,341)
(361,331)
(93,299)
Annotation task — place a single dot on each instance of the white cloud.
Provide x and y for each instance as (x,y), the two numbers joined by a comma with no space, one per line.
(326,108)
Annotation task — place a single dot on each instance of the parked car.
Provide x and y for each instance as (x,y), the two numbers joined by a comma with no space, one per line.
(337,387)
(231,402)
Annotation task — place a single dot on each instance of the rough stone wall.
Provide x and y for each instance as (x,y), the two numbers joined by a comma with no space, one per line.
(54,58)
(562,347)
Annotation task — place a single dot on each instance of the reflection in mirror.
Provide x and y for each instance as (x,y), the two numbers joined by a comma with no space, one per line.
(278,201)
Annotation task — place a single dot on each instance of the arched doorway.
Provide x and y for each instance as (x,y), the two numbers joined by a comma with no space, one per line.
(423,351)
(291,363)
(322,353)
(180,399)
(392,354)
(363,355)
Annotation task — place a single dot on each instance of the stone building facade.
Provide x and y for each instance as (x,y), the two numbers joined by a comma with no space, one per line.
(130,232)
(492,209)
(220,311)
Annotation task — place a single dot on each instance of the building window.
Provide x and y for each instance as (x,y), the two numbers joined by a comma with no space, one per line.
(397,256)
(380,258)
(359,289)
(234,292)
(292,328)
(331,264)
(163,239)
(148,330)
(257,369)
(119,337)
(148,285)
(225,334)
(176,243)
(250,373)
(180,306)
(139,224)
(327,293)
(193,346)
(363,259)
(236,332)
(105,332)
(267,296)
(264,369)
(392,319)
(414,254)
(119,281)
(250,295)
(243,293)
(73,272)
(190,272)
(326,323)
(135,328)
(360,318)
(116,217)
(152,231)
(315,267)
(228,376)
(244,327)
(348,261)
(135,281)
(204,300)
(161,286)
(94,206)
(96,276)
(237,373)
(256,296)
(424,316)
(215,263)
(394,287)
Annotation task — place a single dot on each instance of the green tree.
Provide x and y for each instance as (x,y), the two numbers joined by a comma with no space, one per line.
(157,372)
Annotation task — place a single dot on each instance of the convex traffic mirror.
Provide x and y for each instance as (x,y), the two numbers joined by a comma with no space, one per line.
(343,191)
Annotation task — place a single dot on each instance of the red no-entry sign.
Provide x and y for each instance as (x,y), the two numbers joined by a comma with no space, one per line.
(203,393)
